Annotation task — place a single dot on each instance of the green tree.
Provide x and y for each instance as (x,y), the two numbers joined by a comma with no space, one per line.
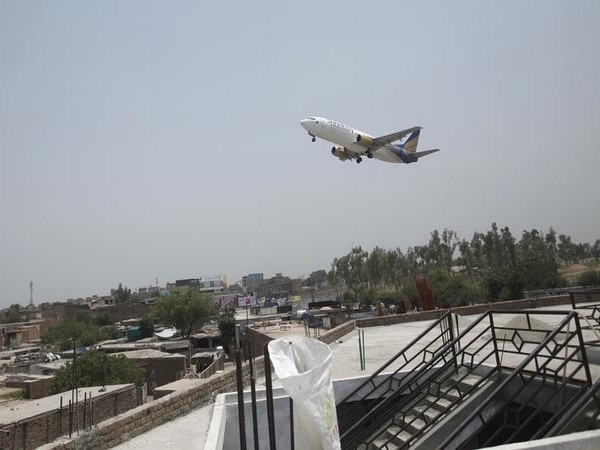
(316,279)
(147,326)
(122,294)
(566,249)
(375,268)
(596,250)
(537,263)
(102,319)
(185,310)
(589,278)
(84,333)
(95,368)
(227,328)
(504,284)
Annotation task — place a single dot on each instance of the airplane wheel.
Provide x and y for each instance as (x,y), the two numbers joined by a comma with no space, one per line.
(358,160)
(370,155)
(313,139)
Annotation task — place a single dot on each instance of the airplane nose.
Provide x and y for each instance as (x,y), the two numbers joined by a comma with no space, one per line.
(305,124)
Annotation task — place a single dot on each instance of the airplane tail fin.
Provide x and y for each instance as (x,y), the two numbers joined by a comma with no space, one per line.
(411,143)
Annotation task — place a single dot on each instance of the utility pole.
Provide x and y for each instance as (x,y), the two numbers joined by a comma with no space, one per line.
(31,294)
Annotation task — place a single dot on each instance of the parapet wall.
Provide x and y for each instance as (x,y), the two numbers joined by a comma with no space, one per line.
(121,428)
(338,332)
(465,310)
(38,430)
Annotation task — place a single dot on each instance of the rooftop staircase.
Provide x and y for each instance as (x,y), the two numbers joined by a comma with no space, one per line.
(524,377)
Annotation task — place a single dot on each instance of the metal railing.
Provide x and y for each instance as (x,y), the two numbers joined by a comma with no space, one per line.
(549,375)
(480,352)
(583,415)
(365,400)
(418,410)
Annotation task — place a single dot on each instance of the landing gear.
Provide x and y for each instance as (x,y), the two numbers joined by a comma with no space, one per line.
(369,155)
(313,139)
(358,160)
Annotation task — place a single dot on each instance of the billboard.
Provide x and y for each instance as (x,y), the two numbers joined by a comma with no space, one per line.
(245,301)
(222,300)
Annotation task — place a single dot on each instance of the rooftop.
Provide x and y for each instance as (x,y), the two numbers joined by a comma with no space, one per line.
(380,344)
(16,410)
(149,353)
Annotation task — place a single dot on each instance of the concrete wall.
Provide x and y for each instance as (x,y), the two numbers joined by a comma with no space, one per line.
(231,434)
(38,430)
(224,428)
(256,340)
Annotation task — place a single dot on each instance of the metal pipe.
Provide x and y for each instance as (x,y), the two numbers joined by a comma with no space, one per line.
(494,341)
(292,445)
(253,396)
(270,408)
(584,357)
(70,418)
(360,355)
(240,398)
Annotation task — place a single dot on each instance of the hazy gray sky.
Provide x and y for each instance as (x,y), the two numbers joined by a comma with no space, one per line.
(147,139)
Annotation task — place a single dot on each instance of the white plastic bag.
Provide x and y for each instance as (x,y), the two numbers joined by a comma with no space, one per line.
(303,366)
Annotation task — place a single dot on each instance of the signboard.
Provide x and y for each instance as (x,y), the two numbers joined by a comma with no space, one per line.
(222,300)
(245,301)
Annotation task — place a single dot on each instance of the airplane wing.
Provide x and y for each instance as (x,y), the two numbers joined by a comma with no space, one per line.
(388,139)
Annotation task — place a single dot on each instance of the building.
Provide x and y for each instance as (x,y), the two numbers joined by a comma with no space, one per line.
(251,281)
(160,367)
(206,284)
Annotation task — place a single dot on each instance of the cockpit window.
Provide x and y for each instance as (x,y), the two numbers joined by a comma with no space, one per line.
(311,118)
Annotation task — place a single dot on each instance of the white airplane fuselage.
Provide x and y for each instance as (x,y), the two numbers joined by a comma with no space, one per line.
(348,138)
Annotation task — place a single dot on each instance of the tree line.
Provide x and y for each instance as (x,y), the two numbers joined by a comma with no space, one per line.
(490,266)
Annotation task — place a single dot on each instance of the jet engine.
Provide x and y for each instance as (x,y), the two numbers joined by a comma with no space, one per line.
(364,141)
(340,152)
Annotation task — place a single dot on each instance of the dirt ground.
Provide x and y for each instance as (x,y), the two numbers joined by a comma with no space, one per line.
(572,272)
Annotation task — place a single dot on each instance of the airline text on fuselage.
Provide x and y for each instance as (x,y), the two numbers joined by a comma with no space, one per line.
(341,127)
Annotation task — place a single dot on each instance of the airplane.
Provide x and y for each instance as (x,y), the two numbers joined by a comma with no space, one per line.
(354,144)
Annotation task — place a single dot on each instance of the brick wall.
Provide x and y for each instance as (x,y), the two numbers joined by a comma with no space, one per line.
(124,311)
(338,332)
(465,310)
(116,430)
(588,296)
(43,428)
(33,388)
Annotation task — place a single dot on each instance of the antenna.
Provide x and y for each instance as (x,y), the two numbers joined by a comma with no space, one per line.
(31,294)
